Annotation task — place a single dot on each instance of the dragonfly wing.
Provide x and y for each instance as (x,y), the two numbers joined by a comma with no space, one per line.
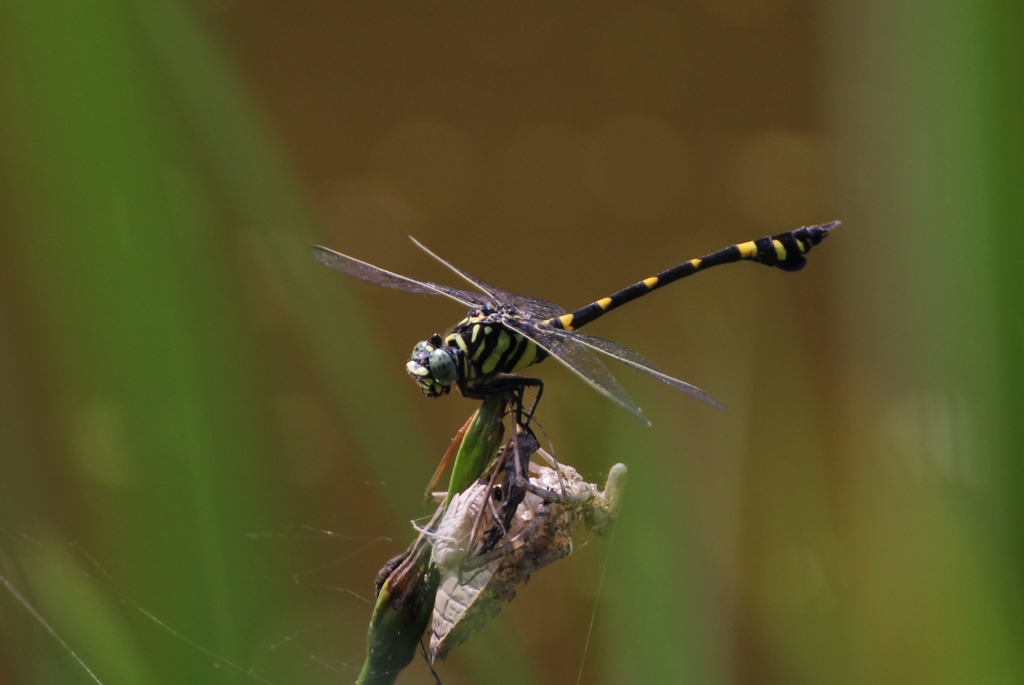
(496,293)
(636,360)
(368,272)
(580,361)
(542,309)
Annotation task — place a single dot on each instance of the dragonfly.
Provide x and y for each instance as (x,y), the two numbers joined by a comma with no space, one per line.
(504,333)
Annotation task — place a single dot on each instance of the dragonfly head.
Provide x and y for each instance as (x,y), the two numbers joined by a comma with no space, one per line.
(432,365)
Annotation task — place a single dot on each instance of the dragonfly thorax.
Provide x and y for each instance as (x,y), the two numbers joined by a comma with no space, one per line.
(433,366)
(477,351)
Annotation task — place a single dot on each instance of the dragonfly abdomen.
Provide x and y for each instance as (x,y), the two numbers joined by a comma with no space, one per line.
(785,251)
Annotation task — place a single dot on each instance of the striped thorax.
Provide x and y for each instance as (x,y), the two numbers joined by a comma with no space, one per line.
(478,349)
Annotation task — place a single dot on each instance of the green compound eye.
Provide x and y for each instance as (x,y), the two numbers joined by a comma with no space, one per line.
(442,368)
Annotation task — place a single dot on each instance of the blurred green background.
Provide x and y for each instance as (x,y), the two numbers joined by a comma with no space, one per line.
(208,442)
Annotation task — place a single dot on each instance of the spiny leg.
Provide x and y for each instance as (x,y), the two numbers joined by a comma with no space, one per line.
(524,444)
(551,458)
(516,387)
(537,400)
(529,382)
(513,489)
(517,474)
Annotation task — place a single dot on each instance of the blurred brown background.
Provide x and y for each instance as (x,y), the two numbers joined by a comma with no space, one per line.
(209,440)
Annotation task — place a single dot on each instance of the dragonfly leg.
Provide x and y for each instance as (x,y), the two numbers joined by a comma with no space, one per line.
(513,385)
(551,459)
(524,444)
(529,382)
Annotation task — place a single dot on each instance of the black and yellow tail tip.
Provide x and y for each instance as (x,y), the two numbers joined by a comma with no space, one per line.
(805,238)
(786,250)
(821,231)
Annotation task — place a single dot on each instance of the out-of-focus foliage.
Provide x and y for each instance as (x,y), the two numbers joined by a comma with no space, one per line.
(207,441)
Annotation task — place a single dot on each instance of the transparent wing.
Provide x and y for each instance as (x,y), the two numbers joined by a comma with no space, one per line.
(542,309)
(368,272)
(634,359)
(580,361)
